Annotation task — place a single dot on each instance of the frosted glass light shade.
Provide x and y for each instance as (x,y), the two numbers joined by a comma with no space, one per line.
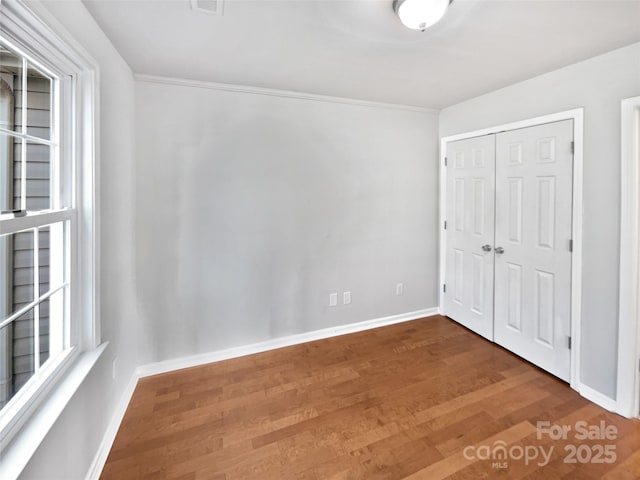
(420,14)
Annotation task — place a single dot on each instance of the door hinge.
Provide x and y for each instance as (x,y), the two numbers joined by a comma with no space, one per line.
(571,244)
(445,161)
(569,342)
(573,147)
(445,224)
(444,288)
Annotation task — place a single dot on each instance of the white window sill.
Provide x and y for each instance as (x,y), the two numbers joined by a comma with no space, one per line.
(15,456)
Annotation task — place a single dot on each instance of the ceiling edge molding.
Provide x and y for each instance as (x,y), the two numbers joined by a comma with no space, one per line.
(272,92)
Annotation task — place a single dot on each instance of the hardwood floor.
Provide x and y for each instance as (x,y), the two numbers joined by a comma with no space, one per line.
(425,399)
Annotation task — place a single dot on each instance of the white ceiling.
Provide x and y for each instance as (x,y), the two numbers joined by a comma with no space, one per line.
(358,48)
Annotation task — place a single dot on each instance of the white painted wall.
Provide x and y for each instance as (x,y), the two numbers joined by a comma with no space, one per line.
(251,209)
(598,85)
(70,446)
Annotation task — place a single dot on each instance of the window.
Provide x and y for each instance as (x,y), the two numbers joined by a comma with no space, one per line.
(47,212)
(33,278)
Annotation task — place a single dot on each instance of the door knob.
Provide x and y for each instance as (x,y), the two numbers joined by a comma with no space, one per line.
(486,248)
(499,250)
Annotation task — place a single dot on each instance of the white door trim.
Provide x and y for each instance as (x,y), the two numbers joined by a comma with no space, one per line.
(629,308)
(577,115)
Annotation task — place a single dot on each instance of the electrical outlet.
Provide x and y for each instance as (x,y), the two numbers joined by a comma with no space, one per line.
(346,298)
(333,299)
(399,289)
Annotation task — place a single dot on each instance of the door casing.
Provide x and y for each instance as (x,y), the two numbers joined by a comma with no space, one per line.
(577,115)
(628,384)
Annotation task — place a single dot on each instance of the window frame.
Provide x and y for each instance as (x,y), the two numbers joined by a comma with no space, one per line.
(77,100)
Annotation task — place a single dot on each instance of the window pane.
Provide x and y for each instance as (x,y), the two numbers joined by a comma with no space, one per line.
(44,330)
(6,367)
(51,326)
(10,172)
(16,355)
(38,177)
(38,97)
(10,89)
(51,257)
(16,276)
(44,256)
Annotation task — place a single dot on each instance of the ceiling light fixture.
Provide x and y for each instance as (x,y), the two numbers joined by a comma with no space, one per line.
(420,14)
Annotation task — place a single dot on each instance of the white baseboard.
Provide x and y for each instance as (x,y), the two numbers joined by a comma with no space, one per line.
(598,398)
(112,429)
(241,351)
(194,360)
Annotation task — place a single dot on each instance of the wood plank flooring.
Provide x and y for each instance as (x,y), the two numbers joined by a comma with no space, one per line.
(425,399)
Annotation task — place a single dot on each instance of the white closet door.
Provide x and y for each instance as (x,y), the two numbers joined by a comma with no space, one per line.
(533,228)
(468,298)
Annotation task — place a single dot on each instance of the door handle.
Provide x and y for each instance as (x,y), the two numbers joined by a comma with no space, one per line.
(486,248)
(499,250)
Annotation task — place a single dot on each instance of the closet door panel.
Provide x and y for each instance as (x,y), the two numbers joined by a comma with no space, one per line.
(534,169)
(468,298)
